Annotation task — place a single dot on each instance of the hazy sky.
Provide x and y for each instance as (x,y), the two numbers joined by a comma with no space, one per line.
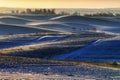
(60,3)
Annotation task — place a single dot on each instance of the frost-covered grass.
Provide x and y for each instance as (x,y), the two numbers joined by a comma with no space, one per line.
(34,68)
(32,42)
(44,46)
(30,76)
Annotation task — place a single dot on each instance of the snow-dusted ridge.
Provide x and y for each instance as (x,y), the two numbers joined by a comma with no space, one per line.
(14,20)
(14,17)
(61,26)
(19,29)
(103,50)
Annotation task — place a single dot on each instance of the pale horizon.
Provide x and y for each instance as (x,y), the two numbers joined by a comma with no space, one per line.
(60,3)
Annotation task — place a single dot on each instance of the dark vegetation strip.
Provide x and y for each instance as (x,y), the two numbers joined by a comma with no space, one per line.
(14,61)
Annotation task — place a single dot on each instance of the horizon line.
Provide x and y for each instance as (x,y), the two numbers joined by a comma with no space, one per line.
(59,8)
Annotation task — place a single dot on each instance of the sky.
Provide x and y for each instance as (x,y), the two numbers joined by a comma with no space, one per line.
(60,3)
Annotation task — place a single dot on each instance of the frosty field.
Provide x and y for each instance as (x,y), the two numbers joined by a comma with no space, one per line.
(59,47)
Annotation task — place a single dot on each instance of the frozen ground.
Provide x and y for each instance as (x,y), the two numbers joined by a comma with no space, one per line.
(58,71)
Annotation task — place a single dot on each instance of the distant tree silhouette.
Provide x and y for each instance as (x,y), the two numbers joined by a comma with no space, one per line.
(17,11)
(44,11)
(75,13)
(23,12)
(36,11)
(48,11)
(39,11)
(13,12)
(28,11)
(53,11)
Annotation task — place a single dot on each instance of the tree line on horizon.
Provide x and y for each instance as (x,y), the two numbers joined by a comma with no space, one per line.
(53,12)
(35,11)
